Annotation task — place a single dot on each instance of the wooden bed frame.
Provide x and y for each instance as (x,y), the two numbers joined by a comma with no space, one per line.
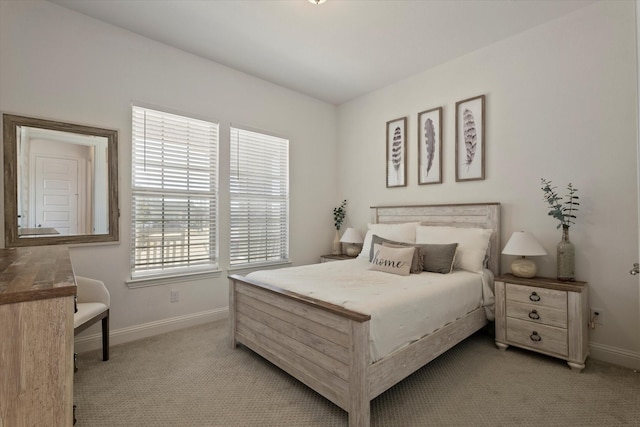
(326,346)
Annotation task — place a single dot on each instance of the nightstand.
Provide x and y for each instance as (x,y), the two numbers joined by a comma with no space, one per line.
(544,315)
(341,257)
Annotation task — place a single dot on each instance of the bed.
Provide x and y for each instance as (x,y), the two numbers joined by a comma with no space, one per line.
(327,346)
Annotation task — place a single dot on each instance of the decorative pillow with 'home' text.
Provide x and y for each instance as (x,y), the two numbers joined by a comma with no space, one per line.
(392,260)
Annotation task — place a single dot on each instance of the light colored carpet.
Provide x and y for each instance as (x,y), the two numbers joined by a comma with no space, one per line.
(193,378)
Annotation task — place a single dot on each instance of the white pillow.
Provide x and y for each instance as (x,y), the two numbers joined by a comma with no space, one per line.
(404,232)
(392,260)
(473,243)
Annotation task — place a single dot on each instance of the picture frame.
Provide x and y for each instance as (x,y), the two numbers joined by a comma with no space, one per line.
(397,152)
(430,146)
(470,139)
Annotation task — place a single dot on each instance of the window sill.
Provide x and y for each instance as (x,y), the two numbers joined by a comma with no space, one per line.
(248,268)
(143,282)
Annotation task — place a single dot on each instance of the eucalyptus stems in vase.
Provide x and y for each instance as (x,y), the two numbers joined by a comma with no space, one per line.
(338,218)
(564,210)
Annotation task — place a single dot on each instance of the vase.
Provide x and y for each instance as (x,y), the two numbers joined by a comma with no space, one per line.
(566,257)
(337,246)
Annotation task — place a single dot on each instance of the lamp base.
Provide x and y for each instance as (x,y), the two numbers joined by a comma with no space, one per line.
(352,250)
(523,267)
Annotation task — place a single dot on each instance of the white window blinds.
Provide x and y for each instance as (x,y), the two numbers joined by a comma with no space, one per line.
(174,191)
(259,197)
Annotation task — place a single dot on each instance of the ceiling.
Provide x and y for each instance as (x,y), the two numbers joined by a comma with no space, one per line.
(335,51)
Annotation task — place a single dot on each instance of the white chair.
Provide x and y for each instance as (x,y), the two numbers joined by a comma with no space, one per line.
(92,304)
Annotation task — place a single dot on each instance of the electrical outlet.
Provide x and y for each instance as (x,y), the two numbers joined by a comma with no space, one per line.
(598,319)
(175,296)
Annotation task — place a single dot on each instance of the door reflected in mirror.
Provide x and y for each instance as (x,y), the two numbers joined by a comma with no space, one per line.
(61,182)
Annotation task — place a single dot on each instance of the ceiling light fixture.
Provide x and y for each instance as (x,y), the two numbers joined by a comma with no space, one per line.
(316,2)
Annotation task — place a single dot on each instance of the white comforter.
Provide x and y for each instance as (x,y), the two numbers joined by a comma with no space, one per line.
(402,308)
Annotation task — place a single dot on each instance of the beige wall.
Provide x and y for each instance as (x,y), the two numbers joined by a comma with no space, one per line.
(560,104)
(61,65)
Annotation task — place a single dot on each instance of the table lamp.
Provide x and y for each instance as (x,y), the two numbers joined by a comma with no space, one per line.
(522,244)
(352,238)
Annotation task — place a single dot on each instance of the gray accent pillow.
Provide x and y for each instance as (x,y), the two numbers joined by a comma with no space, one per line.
(438,258)
(416,262)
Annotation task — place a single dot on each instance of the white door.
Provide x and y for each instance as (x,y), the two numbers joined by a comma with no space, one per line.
(636,267)
(56,194)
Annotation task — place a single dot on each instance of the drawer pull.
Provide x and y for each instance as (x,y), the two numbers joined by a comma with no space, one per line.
(534,315)
(534,297)
(535,337)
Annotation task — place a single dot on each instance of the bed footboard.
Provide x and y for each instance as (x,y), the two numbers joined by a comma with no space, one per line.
(322,345)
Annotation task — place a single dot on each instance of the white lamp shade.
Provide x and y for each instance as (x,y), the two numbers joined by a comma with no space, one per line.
(351,236)
(522,243)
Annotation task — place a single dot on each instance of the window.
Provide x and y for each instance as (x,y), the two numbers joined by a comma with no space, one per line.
(259,196)
(174,206)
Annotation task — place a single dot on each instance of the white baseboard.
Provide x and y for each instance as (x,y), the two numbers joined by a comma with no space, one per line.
(133,333)
(614,355)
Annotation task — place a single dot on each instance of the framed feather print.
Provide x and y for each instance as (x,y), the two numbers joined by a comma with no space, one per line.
(470,142)
(430,146)
(397,153)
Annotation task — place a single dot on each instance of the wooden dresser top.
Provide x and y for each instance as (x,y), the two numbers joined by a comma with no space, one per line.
(35,272)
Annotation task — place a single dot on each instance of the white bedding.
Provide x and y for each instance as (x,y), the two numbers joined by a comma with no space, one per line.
(402,308)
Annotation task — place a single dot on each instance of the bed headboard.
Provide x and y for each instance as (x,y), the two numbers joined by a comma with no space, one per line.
(478,215)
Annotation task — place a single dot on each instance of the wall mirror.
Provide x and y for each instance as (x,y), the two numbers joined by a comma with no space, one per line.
(61,182)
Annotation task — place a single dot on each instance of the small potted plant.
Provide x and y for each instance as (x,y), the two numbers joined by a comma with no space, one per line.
(338,219)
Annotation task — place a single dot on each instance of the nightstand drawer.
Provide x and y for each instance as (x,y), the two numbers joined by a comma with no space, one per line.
(539,337)
(538,314)
(537,296)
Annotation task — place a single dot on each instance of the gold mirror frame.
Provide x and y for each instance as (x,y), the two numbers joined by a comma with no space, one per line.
(10,128)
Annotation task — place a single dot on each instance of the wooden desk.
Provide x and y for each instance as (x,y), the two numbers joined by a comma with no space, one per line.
(37,288)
